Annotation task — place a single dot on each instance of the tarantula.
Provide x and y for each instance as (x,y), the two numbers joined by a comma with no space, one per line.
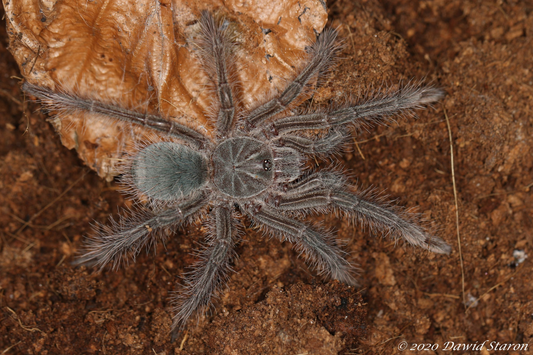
(253,167)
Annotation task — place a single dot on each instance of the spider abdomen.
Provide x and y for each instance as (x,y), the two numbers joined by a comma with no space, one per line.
(242,167)
(168,171)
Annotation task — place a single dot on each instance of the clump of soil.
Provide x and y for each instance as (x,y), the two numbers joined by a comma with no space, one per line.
(480,53)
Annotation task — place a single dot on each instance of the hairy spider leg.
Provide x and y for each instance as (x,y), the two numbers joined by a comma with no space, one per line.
(129,235)
(63,101)
(319,247)
(329,144)
(315,194)
(210,271)
(322,52)
(316,180)
(368,113)
(217,51)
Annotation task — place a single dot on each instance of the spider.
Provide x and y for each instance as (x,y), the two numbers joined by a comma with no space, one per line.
(253,167)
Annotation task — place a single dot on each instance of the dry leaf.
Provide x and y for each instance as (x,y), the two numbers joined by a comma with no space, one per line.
(141,55)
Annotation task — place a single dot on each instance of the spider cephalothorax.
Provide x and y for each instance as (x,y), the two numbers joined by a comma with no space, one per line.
(253,166)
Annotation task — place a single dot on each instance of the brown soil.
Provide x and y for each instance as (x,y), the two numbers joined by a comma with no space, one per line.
(480,52)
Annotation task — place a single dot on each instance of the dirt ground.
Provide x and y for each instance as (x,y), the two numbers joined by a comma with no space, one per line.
(479,52)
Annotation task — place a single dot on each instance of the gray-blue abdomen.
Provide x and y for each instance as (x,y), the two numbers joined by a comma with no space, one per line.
(168,171)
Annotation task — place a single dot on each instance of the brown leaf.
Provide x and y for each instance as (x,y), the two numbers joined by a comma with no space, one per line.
(142,55)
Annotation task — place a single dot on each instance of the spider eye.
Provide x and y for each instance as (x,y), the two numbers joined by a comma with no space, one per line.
(168,171)
(267,165)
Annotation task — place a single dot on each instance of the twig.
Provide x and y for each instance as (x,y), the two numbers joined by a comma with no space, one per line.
(489,290)
(11,347)
(48,227)
(456,210)
(61,261)
(358,149)
(50,204)
(442,295)
(16,317)
(8,95)
(183,341)
(371,139)
(165,270)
